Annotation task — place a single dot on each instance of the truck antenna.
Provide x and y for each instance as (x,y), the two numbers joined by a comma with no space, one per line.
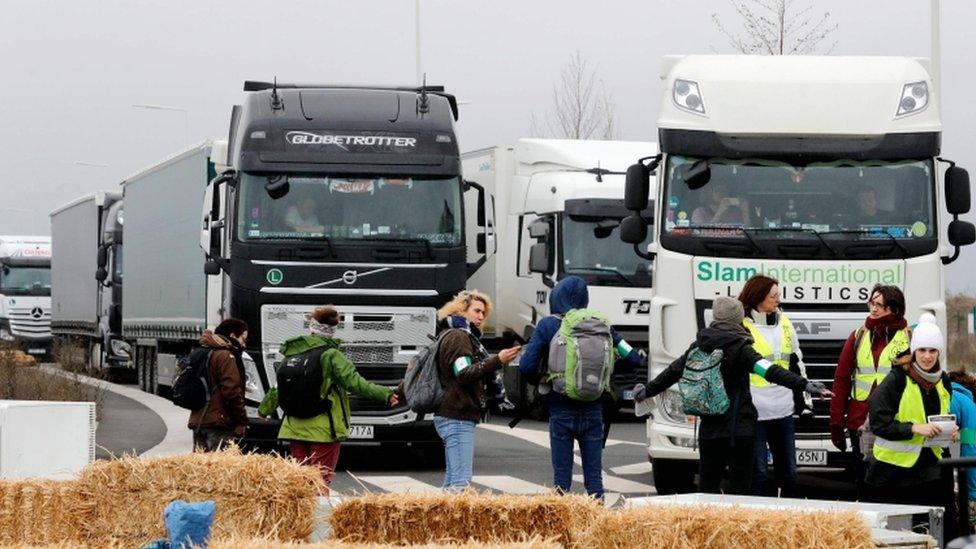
(276,103)
(423,107)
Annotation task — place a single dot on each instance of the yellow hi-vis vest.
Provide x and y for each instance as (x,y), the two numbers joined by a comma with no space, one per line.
(904,453)
(865,374)
(780,357)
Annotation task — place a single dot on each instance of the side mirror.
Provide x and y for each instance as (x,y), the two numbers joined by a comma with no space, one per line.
(961,233)
(211,267)
(633,229)
(102,259)
(957,191)
(101,274)
(539,228)
(539,258)
(697,175)
(637,187)
(277,186)
(605,228)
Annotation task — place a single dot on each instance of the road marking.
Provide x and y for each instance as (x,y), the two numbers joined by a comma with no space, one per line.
(509,485)
(398,483)
(539,438)
(622,485)
(639,468)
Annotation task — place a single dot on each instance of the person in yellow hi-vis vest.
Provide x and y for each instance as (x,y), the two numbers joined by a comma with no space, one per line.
(902,414)
(775,340)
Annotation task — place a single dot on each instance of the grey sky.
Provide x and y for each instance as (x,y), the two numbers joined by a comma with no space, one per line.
(73,68)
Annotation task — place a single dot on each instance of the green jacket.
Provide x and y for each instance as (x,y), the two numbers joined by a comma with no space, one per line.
(336,368)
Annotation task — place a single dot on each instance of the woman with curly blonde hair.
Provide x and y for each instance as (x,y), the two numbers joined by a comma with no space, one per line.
(464,366)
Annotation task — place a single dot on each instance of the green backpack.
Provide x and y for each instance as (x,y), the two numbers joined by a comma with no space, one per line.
(581,356)
(701,386)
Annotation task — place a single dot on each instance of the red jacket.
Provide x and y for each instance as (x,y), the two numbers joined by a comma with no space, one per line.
(845,412)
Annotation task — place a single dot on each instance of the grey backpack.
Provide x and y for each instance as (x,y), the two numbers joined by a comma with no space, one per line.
(422,386)
(581,356)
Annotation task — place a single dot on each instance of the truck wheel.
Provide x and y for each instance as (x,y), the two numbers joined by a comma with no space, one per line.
(674,476)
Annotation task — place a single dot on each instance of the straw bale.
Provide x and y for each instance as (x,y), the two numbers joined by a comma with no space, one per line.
(123,500)
(688,527)
(18,358)
(452,518)
(31,511)
(262,543)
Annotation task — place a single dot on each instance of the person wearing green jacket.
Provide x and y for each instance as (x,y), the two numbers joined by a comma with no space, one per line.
(315,440)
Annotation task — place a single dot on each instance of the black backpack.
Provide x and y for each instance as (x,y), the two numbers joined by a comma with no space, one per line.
(300,385)
(192,387)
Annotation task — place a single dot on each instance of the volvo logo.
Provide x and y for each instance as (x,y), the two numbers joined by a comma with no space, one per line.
(350,277)
(36,313)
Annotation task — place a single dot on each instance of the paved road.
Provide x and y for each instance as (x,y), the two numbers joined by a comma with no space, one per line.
(126,427)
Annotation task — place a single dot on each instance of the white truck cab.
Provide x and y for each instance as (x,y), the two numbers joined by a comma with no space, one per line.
(25,292)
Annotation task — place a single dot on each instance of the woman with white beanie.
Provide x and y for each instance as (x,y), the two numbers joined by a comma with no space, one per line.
(904,469)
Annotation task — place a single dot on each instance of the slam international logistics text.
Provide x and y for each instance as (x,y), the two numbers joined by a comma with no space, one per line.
(835,282)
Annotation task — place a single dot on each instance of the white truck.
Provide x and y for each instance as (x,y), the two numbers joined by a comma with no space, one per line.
(86,275)
(828,172)
(555,208)
(25,293)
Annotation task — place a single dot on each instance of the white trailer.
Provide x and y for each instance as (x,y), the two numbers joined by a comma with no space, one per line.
(25,292)
(559,201)
(829,171)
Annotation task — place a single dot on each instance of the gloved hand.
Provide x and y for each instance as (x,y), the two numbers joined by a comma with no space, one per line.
(816,388)
(640,392)
(838,437)
(806,417)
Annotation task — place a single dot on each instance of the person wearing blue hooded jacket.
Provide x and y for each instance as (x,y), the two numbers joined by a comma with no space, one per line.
(570,420)
(964,408)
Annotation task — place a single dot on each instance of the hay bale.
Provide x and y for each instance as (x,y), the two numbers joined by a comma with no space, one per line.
(18,358)
(263,543)
(687,527)
(122,501)
(32,511)
(455,518)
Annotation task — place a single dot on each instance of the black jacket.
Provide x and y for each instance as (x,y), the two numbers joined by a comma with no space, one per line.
(738,358)
(884,403)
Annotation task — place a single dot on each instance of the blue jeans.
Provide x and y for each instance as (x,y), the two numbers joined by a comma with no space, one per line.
(458,437)
(779,435)
(586,426)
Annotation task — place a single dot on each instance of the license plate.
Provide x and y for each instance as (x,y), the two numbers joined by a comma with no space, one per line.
(35,351)
(361,431)
(628,395)
(811,457)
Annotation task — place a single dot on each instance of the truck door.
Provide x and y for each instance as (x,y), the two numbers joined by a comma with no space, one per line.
(535,267)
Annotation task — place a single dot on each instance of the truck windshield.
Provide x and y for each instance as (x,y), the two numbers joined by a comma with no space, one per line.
(592,249)
(353,208)
(25,280)
(844,208)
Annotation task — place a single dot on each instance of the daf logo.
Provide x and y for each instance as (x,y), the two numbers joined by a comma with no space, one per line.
(350,277)
(812,328)
(36,313)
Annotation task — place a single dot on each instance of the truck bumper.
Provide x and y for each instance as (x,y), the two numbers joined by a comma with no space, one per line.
(264,432)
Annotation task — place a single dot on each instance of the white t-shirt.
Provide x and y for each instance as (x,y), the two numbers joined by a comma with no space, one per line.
(774,401)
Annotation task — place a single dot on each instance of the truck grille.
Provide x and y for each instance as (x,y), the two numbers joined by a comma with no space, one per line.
(361,354)
(385,375)
(27,322)
(820,357)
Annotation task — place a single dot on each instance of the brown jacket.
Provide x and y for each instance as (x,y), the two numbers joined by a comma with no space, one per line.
(226,408)
(465,394)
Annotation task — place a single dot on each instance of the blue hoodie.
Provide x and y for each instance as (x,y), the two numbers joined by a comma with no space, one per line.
(569,293)
(964,408)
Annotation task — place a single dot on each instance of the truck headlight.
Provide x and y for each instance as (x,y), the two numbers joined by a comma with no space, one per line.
(120,348)
(253,390)
(914,98)
(669,402)
(687,96)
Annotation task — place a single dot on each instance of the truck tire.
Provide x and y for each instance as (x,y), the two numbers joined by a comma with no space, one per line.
(674,476)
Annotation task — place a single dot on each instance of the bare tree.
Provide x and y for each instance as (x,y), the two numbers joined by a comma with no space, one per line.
(581,106)
(777,27)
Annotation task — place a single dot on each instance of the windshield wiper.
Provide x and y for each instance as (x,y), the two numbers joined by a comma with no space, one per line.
(745,232)
(609,270)
(600,172)
(904,250)
(413,240)
(814,232)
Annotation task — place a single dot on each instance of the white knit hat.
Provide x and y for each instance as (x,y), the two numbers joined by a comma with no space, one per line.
(927,334)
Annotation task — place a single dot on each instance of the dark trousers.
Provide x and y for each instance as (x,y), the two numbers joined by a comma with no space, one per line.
(718,455)
(776,437)
(936,493)
(859,466)
(584,425)
(212,440)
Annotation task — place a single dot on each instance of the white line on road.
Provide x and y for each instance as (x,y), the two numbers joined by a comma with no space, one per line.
(509,485)
(398,483)
(639,468)
(622,485)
